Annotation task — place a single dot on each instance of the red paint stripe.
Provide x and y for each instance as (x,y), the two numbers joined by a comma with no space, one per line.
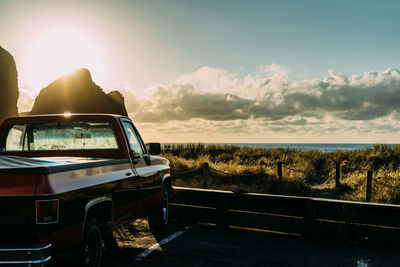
(17,185)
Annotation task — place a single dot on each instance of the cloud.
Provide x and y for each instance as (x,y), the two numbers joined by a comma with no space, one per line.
(294,122)
(184,102)
(270,95)
(215,105)
(208,79)
(131,103)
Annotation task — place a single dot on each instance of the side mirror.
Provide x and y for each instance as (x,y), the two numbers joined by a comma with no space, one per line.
(154,148)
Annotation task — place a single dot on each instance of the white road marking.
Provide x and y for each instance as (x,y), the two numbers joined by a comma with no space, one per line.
(362,262)
(145,253)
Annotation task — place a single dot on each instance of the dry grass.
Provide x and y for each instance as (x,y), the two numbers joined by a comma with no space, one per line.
(305,173)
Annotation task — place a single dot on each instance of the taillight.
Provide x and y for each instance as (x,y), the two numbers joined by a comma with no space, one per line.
(46,211)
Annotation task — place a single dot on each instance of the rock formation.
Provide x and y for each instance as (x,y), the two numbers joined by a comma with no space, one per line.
(77,93)
(8,86)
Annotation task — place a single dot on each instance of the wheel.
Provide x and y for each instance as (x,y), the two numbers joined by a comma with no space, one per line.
(158,221)
(91,249)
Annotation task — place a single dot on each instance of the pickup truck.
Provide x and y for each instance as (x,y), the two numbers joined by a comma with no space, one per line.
(67,181)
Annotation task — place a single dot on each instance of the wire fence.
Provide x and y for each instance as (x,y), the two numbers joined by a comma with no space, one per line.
(193,170)
(385,185)
(206,170)
(351,169)
(269,170)
(298,170)
(236,174)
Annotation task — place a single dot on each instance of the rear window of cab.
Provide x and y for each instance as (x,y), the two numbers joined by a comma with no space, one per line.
(65,135)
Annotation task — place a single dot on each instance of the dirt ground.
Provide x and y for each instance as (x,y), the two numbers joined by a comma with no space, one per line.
(204,245)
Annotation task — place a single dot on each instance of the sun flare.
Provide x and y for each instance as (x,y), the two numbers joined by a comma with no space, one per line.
(57,51)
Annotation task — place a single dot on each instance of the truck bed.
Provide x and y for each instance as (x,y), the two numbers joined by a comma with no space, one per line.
(24,165)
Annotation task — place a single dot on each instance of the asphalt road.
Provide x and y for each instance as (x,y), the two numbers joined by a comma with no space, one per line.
(209,246)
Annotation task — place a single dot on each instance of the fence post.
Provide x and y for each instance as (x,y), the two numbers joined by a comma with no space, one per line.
(337,174)
(394,166)
(279,170)
(369,186)
(205,175)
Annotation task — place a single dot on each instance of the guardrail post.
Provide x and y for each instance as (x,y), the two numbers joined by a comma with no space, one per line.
(337,174)
(279,170)
(369,186)
(205,175)
(222,212)
(310,228)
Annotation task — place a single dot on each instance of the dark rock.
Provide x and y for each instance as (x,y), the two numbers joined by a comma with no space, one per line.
(8,86)
(117,96)
(77,93)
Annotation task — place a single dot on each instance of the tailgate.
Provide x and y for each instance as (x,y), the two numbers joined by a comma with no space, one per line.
(17,208)
(17,185)
(17,214)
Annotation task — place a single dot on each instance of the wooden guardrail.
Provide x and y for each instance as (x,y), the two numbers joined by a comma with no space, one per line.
(206,170)
(344,220)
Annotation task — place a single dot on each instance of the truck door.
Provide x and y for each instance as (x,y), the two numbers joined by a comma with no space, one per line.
(149,179)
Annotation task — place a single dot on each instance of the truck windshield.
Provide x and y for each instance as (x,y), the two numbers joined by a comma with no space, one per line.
(75,135)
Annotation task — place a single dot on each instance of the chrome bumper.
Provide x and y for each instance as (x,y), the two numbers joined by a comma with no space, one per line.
(38,255)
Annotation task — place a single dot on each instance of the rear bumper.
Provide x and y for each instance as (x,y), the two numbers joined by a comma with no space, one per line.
(30,255)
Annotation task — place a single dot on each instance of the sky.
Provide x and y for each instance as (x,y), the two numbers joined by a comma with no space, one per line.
(222,71)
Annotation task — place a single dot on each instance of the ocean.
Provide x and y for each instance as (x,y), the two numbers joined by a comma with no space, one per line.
(302,146)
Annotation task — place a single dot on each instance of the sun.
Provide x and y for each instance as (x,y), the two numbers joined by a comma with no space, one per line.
(59,50)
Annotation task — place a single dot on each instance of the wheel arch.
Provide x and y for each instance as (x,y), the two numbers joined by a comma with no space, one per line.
(102,209)
(167,183)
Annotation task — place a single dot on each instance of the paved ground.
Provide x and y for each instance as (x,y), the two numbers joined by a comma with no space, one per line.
(209,246)
(204,245)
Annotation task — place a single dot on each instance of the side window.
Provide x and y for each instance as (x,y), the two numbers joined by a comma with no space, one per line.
(133,140)
(15,138)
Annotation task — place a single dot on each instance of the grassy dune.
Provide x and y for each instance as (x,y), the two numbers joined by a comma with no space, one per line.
(305,173)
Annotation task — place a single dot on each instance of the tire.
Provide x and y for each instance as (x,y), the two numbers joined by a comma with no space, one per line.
(90,251)
(109,241)
(158,221)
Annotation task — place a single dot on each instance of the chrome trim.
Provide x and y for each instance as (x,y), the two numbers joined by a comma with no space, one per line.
(165,177)
(94,202)
(47,200)
(97,201)
(24,249)
(27,262)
